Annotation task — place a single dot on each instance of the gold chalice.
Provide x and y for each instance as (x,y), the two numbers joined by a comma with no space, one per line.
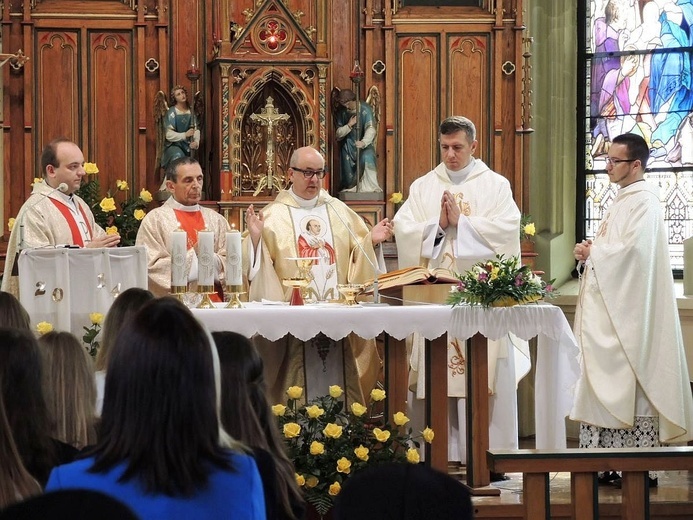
(297,283)
(350,291)
(305,264)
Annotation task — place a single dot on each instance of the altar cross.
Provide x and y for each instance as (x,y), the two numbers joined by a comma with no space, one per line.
(268,117)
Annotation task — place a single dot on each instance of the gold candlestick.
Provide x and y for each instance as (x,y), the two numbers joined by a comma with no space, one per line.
(234,296)
(177,291)
(205,291)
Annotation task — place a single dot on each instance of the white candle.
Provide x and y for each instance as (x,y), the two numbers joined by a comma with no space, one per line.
(234,273)
(205,257)
(179,242)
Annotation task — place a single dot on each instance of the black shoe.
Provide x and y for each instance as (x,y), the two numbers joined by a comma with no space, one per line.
(498,477)
(607,478)
(652,482)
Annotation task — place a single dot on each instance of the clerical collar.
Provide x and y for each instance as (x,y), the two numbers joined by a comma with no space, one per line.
(67,198)
(304,203)
(459,176)
(182,207)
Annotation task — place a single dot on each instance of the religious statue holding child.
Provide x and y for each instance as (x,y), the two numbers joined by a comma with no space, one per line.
(356,129)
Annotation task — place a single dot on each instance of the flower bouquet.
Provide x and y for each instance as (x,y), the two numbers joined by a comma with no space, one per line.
(327,442)
(527,227)
(499,283)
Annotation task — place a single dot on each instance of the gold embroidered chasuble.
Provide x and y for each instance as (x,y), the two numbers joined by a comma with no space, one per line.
(155,233)
(284,222)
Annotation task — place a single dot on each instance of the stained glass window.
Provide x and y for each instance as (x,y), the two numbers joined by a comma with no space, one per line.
(638,69)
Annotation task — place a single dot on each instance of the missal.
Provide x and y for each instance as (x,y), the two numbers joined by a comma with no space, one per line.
(412,275)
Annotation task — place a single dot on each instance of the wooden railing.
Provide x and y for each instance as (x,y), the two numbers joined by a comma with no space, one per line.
(583,466)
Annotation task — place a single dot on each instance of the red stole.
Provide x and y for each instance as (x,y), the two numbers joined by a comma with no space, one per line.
(71,222)
(191,222)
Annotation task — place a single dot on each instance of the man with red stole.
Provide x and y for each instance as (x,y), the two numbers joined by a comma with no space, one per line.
(53,215)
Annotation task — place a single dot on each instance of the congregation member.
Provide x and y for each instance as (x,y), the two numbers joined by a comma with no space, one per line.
(634,386)
(53,215)
(25,406)
(161,449)
(182,210)
(69,388)
(458,214)
(123,308)
(246,415)
(12,313)
(270,251)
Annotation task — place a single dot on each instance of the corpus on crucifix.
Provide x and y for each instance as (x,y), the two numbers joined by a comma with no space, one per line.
(269,116)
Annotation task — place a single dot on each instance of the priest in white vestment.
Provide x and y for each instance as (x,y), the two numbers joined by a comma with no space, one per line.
(53,215)
(182,210)
(456,215)
(276,239)
(634,390)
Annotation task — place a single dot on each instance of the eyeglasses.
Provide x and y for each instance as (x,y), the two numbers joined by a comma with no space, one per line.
(307,174)
(616,162)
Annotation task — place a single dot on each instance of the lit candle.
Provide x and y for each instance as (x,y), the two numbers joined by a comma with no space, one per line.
(234,273)
(205,257)
(179,241)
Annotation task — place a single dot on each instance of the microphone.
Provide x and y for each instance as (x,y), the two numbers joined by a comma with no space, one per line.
(376,293)
(62,187)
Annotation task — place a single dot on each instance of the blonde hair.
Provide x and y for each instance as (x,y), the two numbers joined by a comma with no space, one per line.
(69,388)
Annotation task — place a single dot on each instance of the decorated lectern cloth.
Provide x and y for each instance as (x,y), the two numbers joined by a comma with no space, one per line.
(319,362)
(48,218)
(63,286)
(155,235)
(627,323)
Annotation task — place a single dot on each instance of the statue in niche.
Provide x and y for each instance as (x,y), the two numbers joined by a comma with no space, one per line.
(178,126)
(356,130)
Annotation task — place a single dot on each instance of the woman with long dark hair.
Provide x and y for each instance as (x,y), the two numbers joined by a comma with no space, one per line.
(161,450)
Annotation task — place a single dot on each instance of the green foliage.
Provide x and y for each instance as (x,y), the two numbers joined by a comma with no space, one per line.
(499,282)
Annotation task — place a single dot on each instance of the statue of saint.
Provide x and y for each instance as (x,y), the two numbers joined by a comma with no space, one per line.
(178,126)
(357,125)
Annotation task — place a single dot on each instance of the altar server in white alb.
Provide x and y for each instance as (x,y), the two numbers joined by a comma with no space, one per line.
(456,215)
(182,211)
(634,390)
(53,215)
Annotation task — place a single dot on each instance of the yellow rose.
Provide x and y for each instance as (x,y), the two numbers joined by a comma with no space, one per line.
(107,204)
(358,409)
(96,318)
(146,196)
(138,214)
(400,419)
(361,453)
(413,455)
(377,394)
(291,430)
(428,435)
(396,197)
(121,185)
(333,431)
(10,223)
(300,480)
(111,230)
(335,488)
(317,448)
(312,481)
(44,327)
(494,273)
(381,435)
(314,411)
(294,392)
(344,466)
(36,180)
(529,229)
(336,391)
(90,168)
(279,410)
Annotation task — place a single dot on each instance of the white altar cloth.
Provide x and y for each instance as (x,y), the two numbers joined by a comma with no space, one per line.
(557,367)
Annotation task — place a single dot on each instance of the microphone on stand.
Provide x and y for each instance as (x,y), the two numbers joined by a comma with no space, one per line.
(62,187)
(376,293)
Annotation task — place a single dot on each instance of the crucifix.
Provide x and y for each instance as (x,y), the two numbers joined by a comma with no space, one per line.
(268,117)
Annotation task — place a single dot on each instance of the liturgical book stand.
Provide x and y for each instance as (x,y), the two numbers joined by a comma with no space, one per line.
(63,286)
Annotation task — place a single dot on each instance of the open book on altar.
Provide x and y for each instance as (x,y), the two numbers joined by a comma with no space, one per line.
(412,275)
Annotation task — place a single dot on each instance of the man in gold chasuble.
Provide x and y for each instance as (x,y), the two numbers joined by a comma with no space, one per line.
(274,239)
